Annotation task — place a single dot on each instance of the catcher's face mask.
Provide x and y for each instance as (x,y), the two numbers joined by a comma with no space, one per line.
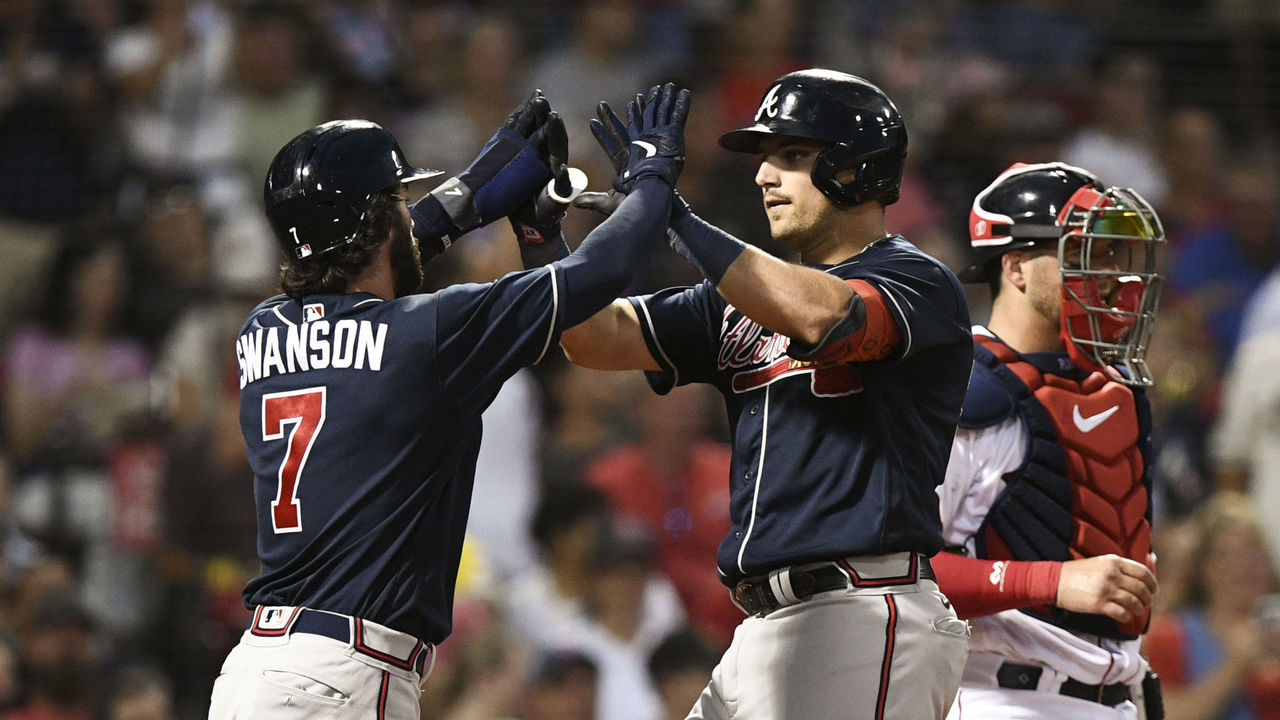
(1110,287)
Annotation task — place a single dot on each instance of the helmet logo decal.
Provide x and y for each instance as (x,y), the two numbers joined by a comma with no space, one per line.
(769,105)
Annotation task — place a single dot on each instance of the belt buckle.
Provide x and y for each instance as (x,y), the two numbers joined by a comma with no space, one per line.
(755,597)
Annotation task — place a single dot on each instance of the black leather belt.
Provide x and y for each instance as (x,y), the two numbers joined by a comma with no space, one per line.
(338,627)
(756,595)
(1016,676)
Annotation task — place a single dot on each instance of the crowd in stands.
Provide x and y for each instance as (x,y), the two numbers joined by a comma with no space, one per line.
(134,138)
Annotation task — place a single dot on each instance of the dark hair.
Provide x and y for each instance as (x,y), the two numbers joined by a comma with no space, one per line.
(331,271)
(563,504)
(681,650)
(82,244)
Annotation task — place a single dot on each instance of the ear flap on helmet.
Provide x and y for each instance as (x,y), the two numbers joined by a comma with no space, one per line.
(878,174)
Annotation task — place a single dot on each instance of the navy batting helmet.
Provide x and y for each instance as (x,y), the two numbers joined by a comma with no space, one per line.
(856,117)
(320,183)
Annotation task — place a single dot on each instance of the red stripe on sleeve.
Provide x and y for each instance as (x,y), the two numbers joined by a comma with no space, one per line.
(978,587)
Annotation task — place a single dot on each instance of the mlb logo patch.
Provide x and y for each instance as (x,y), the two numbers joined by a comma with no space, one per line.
(313,311)
(304,251)
(274,618)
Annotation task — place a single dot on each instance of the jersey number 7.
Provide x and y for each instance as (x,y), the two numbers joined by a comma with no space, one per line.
(304,410)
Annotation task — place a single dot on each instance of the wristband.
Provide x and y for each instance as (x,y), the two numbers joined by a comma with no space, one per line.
(706,246)
(577,183)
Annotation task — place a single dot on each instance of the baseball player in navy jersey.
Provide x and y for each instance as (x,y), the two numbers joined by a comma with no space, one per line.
(843,378)
(1046,508)
(361,401)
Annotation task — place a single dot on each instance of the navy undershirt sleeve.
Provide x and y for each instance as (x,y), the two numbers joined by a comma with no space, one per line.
(604,264)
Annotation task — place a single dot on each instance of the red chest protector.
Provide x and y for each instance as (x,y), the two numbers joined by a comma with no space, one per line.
(1083,489)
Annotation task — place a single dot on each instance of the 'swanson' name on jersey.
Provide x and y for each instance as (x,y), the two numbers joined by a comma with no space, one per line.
(310,346)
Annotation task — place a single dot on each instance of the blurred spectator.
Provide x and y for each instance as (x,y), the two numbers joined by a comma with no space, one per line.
(73,378)
(680,668)
(568,518)
(595,59)
(10,683)
(174,249)
(1242,441)
(562,686)
(1252,29)
(1117,140)
(505,494)
(140,692)
(673,479)
(208,554)
(60,653)
(358,36)
(1217,658)
(480,672)
(275,93)
(171,70)
(19,552)
(629,607)
(53,112)
(749,59)
(587,414)
(1193,152)
(1218,268)
(1053,39)
(451,109)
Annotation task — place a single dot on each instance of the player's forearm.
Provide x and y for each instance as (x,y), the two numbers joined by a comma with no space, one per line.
(793,300)
(978,587)
(607,260)
(799,302)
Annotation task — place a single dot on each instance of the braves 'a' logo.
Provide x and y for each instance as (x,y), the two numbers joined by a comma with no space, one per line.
(764,360)
(769,105)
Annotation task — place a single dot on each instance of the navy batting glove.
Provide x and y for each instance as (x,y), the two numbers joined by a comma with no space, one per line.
(511,168)
(655,126)
(537,222)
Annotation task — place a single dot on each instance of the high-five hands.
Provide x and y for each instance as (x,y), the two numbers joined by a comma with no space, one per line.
(651,142)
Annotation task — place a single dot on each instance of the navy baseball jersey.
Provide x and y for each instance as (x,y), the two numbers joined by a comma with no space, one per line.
(362,420)
(831,458)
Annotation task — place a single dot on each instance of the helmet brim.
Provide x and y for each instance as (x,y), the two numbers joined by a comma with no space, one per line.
(410,174)
(745,140)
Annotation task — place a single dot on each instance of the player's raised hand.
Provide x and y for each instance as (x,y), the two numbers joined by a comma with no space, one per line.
(611,134)
(537,222)
(655,127)
(1109,585)
(510,169)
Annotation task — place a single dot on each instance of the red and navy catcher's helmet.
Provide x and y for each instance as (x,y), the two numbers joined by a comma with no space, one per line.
(866,132)
(320,183)
(1106,239)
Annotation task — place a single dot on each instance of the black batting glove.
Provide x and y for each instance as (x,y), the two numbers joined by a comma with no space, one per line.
(611,134)
(537,222)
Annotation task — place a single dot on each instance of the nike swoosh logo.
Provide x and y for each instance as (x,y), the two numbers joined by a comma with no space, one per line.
(453,191)
(648,148)
(1088,423)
